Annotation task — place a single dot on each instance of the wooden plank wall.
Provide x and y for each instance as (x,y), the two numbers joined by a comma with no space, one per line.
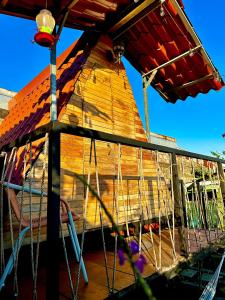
(103,100)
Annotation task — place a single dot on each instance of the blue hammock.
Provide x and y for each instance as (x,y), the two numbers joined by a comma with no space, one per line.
(210,289)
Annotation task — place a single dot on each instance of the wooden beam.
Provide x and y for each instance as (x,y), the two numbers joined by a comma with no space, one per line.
(72,4)
(133,16)
(66,9)
(3,3)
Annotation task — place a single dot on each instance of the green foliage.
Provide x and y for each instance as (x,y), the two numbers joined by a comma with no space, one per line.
(218,154)
(199,172)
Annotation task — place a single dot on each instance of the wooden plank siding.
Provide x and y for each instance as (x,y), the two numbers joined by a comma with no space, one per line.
(103,100)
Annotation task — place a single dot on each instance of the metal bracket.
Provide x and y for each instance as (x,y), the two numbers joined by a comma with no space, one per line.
(191,51)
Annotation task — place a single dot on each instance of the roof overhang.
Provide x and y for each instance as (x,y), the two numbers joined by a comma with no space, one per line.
(166,43)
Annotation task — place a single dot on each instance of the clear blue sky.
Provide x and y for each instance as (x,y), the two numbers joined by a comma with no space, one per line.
(197,123)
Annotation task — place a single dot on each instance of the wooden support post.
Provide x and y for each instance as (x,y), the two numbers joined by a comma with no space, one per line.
(53,215)
(178,207)
(222,180)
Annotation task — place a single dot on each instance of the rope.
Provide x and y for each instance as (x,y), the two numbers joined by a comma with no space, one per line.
(220,192)
(210,289)
(84,220)
(30,215)
(101,218)
(147,204)
(215,205)
(121,185)
(166,210)
(2,259)
(188,210)
(159,211)
(67,260)
(116,235)
(172,195)
(140,198)
(9,170)
(198,199)
(206,200)
(39,216)
(21,206)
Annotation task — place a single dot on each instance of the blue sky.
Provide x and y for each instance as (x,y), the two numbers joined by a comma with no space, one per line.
(197,123)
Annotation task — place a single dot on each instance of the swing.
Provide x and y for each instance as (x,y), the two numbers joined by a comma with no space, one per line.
(67,216)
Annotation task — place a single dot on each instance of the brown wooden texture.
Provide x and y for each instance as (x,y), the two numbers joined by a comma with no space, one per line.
(102,99)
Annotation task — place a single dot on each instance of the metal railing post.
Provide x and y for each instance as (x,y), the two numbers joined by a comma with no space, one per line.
(53,102)
(53,216)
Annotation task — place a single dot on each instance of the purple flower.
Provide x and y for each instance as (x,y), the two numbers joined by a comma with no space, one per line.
(121,257)
(134,247)
(140,262)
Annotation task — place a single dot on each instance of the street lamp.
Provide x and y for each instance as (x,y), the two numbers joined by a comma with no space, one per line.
(45,23)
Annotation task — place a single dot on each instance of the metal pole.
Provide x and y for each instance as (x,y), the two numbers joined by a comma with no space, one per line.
(53,216)
(146,82)
(145,87)
(53,103)
(23,188)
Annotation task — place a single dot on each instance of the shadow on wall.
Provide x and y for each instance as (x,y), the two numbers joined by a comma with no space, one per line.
(126,200)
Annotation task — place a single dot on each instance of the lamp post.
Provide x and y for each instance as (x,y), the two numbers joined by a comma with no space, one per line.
(46,24)
(45,37)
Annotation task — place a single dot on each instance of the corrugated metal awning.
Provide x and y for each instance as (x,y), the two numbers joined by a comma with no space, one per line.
(164,40)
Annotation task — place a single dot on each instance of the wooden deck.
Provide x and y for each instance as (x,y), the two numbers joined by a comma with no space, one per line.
(94,259)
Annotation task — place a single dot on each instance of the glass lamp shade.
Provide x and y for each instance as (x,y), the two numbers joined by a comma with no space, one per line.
(45,21)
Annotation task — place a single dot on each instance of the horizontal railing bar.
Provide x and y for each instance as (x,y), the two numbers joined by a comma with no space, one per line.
(102,136)
(32,136)
(26,189)
(107,137)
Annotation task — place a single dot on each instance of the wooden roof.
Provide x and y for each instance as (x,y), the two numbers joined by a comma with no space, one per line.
(83,14)
(157,35)
(30,108)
